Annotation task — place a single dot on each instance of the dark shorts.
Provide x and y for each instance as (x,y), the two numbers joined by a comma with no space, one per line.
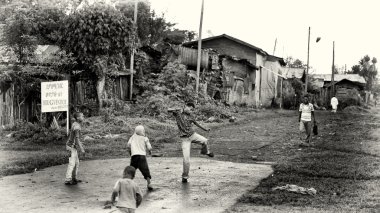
(140,162)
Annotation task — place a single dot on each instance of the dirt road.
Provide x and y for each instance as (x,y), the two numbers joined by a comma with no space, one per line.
(213,187)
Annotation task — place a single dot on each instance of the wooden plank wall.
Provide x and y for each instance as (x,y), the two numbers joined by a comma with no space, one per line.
(6,106)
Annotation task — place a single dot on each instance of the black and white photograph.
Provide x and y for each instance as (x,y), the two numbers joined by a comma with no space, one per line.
(189,106)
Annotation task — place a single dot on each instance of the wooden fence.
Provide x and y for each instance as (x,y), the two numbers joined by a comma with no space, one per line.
(83,97)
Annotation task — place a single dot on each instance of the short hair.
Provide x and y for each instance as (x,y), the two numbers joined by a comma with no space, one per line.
(190,104)
(76,115)
(306,96)
(129,170)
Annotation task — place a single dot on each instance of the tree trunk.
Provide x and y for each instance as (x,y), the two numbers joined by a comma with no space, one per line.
(100,84)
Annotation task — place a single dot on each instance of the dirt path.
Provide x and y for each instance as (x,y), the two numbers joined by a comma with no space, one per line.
(213,187)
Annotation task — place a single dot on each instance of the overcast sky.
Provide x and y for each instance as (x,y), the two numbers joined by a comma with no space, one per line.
(353,25)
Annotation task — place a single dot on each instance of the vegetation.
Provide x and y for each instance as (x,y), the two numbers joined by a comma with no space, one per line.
(367,70)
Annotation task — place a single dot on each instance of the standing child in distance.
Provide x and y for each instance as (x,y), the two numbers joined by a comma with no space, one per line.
(129,193)
(138,146)
(72,145)
(306,115)
(334,104)
(188,135)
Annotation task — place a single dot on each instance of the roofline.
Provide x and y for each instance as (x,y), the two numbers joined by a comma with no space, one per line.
(228,37)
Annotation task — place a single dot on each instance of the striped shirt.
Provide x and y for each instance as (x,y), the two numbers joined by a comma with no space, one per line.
(74,133)
(184,123)
(306,110)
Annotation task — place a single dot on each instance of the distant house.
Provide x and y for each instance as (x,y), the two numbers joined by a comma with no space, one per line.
(250,74)
(346,86)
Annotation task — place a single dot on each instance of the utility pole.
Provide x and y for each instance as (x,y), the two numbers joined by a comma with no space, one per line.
(307,68)
(333,71)
(199,51)
(133,52)
(275,44)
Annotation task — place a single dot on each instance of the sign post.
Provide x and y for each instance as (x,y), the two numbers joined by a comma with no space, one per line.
(55,98)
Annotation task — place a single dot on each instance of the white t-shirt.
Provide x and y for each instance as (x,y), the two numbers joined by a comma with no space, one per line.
(306,110)
(139,145)
(127,190)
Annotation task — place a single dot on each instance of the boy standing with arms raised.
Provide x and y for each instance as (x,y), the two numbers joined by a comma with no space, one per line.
(188,135)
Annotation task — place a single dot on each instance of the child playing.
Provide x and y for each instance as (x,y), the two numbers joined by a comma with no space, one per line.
(188,135)
(129,193)
(138,145)
(72,145)
(306,115)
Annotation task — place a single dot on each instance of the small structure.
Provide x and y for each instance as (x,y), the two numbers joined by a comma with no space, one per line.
(347,86)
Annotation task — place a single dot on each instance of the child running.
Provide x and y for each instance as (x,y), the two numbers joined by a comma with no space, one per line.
(72,145)
(129,193)
(188,135)
(138,146)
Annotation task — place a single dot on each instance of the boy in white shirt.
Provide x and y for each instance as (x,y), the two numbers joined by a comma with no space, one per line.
(138,146)
(334,104)
(306,115)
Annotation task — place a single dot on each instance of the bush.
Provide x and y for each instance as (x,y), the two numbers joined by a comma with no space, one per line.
(208,110)
(349,102)
(36,133)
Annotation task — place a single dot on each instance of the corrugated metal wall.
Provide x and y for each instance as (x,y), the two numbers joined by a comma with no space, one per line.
(189,56)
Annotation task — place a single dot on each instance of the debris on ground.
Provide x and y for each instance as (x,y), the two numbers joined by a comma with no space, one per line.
(88,138)
(157,155)
(296,189)
(232,119)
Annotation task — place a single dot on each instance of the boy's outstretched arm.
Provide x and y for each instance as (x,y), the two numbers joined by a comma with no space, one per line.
(113,196)
(138,199)
(198,125)
(148,146)
(115,192)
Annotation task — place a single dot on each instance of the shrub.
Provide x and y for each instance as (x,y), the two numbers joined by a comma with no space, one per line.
(36,133)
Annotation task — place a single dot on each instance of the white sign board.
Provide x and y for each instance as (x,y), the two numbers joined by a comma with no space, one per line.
(54,96)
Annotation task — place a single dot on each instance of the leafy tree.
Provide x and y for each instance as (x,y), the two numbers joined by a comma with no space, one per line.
(295,63)
(355,69)
(18,35)
(152,28)
(46,24)
(98,36)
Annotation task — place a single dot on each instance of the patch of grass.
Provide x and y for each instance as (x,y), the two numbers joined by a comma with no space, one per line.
(342,170)
(40,161)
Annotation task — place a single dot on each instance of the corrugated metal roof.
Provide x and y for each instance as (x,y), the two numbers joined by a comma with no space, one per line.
(339,77)
(195,43)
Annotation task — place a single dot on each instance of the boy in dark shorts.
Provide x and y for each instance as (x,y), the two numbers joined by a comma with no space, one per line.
(138,146)
(188,135)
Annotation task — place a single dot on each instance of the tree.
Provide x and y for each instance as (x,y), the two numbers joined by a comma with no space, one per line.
(46,24)
(152,28)
(355,69)
(367,70)
(18,35)
(295,63)
(98,36)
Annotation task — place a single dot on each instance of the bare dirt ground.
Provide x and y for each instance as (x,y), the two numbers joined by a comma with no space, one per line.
(213,187)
